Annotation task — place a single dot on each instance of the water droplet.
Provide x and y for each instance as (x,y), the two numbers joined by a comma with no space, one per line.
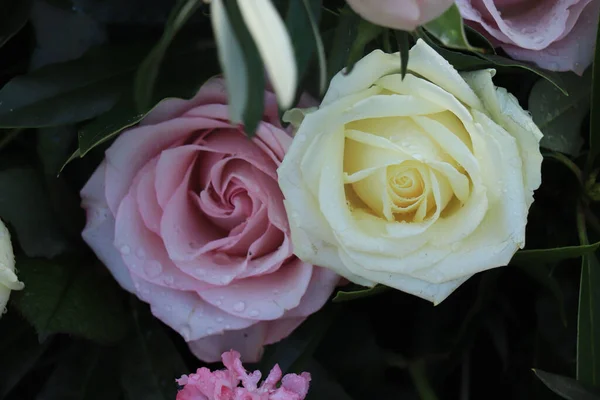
(218,302)
(210,331)
(169,280)
(227,326)
(125,249)
(220,319)
(254,313)
(553,66)
(153,268)
(221,297)
(140,253)
(538,39)
(199,272)
(239,306)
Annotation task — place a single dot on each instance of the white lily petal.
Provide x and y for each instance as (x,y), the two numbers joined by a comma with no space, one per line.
(274,45)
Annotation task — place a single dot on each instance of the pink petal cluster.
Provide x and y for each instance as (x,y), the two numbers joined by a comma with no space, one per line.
(400,14)
(558,35)
(186,213)
(223,384)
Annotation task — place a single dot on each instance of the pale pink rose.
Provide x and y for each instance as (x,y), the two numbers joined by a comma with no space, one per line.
(223,384)
(400,14)
(558,35)
(186,213)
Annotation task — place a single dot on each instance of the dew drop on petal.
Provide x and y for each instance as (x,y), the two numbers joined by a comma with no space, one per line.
(140,253)
(210,331)
(169,280)
(125,249)
(227,326)
(153,268)
(239,306)
(254,313)
(220,319)
(218,302)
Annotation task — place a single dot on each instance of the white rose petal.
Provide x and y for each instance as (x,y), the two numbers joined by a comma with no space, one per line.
(8,278)
(414,183)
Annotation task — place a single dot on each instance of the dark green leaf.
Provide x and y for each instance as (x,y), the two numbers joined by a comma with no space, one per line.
(403,48)
(302,22)
(254,108)
(595,115)
(150,362)
(552,256)
(542,275)
(68,297)
(558,116)
(85,372)
(478,40)
(366,33)
(344,295)
(53,146)
(448,28)
(69,92)
(566,387)
(588,322)
(421,381)
(323,385)
(19,351)
(25,206)
(147,73)
(343,39)
(13,16)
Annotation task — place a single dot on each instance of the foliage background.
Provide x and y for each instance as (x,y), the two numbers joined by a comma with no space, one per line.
(74,73)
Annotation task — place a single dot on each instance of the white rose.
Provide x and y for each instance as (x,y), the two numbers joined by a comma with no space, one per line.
(416,184)
(8,279)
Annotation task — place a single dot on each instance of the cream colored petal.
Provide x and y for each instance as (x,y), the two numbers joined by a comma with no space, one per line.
(394,105)
(429,64)
(274,45)
(505,110)
(8,279)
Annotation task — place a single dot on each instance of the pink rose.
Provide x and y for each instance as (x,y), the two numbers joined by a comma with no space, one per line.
(223,384)
(558,35)
(400,14)
(186,213)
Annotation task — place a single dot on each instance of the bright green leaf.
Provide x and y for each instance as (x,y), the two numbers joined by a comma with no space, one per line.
(150,363)
(588,322)
(345,295)
(13,16)
(558,116)
(69,92)
(448,28)
(552,256)
(68,297)
(85,372)
(567,388)
(147,73)
(25,206)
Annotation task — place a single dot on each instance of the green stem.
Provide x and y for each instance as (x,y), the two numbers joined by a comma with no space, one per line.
(422,384)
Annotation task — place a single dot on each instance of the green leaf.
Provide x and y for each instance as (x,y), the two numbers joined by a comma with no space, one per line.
(69,92)
(255,84)
(13,16)
(323,385)
(84,372)
(366,33)
(343,40)
(595,115)
(302,22)
(148,71)
(448,28)
(542,275)
(73,298)
(566,387)
(344,295)
(150,363)
(552,256)
(25,206)
(588,322)
(558,116)
(403,48)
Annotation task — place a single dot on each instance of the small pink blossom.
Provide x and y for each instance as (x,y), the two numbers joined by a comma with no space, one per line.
(223,384)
